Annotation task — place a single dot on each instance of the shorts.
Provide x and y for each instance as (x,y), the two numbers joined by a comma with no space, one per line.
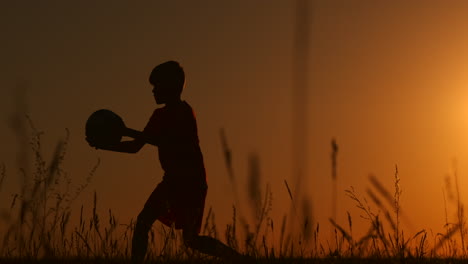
(181,204)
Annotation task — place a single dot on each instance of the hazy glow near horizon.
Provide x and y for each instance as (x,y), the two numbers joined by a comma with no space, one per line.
(387,80)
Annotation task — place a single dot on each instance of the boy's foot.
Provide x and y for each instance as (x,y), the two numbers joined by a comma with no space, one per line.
(243,259)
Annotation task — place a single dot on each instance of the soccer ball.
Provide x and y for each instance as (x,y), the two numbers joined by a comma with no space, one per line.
(104,128)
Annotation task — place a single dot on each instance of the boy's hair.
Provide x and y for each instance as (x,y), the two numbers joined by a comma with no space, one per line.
(169,73)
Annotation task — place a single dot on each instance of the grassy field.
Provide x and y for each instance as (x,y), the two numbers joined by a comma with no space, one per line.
(260,261)
(37,227)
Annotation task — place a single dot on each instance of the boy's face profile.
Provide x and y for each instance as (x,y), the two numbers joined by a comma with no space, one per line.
(168,80)
(164,92)
(158,93)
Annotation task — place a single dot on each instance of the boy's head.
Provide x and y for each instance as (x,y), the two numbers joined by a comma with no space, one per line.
(168,80)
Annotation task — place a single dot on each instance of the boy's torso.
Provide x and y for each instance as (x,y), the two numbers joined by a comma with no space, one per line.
(174,128)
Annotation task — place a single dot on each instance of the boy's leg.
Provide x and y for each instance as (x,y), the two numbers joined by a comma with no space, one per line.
(191,217)
(155,206)
(210,246)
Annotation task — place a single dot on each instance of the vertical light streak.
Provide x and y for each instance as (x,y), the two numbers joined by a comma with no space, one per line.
(300,85)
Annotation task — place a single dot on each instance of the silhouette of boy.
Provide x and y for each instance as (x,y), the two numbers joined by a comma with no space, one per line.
(180,198)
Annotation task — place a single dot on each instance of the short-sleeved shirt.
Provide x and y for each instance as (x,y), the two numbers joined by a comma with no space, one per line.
(174,129)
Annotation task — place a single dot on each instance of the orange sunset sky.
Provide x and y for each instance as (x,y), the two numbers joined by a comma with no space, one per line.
(387,79)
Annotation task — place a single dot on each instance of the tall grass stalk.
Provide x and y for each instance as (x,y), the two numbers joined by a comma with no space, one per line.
(334,155)
(396,197)
(460,210)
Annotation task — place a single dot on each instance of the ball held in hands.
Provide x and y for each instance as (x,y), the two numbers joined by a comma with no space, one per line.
(104,128)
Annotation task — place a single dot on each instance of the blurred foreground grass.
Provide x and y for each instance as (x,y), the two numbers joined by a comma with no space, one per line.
(259,261)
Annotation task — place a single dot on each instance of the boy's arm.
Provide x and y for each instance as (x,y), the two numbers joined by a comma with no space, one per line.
(139,136)
(133,146)
(124,146)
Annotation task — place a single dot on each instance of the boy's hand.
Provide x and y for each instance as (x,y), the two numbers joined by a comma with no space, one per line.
(93,144)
